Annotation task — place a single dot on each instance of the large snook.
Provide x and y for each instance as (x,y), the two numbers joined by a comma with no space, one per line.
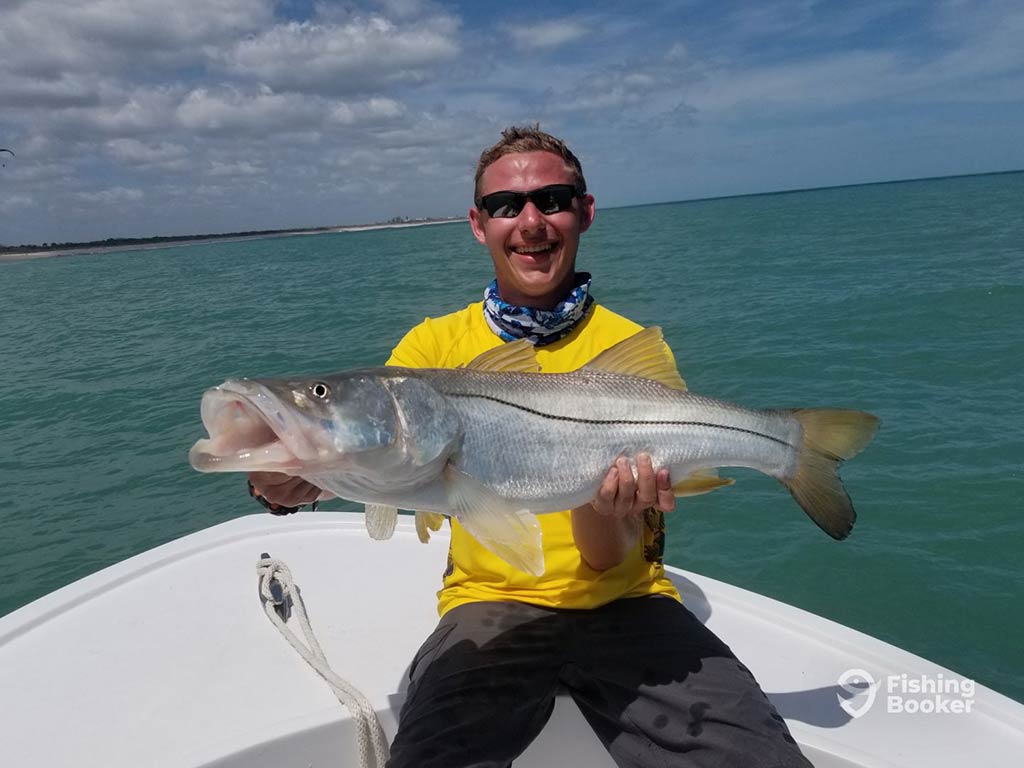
(497,442)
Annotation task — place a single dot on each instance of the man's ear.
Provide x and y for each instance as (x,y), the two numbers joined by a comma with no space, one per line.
(476,224)
(587,211)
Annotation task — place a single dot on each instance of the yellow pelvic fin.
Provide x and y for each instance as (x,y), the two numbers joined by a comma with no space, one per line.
(514,357)
(427,522)
(701,481)
(644,354)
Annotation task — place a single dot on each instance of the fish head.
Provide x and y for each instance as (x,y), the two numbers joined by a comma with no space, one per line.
(295,426)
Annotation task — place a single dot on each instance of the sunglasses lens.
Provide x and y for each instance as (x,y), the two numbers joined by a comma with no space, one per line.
(553,199)
(504,205)
(507,205)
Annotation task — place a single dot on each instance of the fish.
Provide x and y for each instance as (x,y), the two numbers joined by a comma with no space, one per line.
(496,442)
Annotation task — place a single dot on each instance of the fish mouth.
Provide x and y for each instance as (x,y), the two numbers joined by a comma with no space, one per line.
(250,431)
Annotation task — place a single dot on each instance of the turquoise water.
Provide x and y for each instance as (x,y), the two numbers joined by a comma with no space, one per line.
(903,299)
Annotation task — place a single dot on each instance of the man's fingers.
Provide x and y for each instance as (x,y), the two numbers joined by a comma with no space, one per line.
(666,498)
(286,490)
(269,479)
(605,501)
(646,488)
(625,499)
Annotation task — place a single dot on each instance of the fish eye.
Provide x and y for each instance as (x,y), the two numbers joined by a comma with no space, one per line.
(320,391)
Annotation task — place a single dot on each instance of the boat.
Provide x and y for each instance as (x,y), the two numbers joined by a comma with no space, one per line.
(168,659)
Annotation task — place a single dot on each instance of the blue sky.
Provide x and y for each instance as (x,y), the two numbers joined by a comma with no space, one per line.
(142,117)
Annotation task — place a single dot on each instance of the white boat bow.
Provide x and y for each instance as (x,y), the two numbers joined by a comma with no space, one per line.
(167,659)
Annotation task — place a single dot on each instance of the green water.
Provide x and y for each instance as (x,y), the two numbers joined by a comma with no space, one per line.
(903,299)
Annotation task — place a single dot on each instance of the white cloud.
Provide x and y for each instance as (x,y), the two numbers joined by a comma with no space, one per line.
(535,35)
(241,168)
(371,110)
(46,38)
(11,203)
(19,92)
(360,56)
(810,84)
(138,111)
(229,110)
(233,116)
(133,152)
(110,196)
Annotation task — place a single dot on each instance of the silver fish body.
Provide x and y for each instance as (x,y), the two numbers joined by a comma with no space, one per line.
(496,443)
(547,441)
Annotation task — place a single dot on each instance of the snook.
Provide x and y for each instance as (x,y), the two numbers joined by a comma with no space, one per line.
(496,442)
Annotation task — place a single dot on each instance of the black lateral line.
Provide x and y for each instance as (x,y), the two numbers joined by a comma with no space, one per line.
(656,422)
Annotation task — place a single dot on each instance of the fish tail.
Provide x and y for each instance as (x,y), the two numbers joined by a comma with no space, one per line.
(830,436)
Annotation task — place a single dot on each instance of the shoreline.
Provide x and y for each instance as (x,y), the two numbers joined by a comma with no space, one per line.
(29,255)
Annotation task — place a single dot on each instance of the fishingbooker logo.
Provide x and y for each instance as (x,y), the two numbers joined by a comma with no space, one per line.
(905,694)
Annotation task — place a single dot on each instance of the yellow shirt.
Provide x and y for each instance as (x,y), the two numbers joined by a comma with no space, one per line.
(473,572)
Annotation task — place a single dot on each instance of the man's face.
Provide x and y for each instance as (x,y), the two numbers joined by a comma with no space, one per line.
(534,254)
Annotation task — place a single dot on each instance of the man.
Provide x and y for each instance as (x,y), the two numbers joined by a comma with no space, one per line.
(603,623)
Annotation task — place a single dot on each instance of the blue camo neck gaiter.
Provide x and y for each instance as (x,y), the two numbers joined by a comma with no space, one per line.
(540,326)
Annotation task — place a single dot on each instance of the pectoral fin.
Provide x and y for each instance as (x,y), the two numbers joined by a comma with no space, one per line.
(380,521)
(427,522)
(510,533)
(701,481)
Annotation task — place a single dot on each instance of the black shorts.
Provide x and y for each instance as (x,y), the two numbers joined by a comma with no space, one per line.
(657,686)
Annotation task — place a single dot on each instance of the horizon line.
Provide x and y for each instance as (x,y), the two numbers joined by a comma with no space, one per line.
(797,190)
(258,234)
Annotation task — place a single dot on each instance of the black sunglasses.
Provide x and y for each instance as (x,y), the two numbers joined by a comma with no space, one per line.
(553,198)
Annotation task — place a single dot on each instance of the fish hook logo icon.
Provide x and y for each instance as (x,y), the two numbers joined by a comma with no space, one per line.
(855,681)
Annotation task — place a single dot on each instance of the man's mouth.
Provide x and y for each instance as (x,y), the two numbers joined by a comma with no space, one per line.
(540,249)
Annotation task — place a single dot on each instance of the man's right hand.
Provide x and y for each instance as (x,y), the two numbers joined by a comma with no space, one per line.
(286,490)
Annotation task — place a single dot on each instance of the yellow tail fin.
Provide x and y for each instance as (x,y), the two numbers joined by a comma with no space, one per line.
(830,437)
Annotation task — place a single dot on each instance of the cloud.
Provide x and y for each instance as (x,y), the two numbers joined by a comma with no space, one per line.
(372,110)
(66,90)
(242,168)
(361,56)
(132,152)
(11,203)
(133,112)
(242,113)
(231,110)
(536,35)
(815,83)
(47,38)
(110,196)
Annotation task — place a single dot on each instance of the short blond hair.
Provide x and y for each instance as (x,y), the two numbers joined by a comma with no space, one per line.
(528,138)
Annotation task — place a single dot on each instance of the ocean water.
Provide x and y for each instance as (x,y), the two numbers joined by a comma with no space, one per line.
(903,299)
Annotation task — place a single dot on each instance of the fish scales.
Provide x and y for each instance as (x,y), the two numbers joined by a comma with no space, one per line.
(497,442)
(520,426)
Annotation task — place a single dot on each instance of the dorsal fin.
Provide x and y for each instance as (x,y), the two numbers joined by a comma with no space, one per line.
(644,354)
(517,356)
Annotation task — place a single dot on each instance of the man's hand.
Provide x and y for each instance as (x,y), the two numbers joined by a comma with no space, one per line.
(604,542)
(622,495)
(286,490)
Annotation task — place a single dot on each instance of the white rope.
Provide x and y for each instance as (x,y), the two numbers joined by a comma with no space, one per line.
(369,734)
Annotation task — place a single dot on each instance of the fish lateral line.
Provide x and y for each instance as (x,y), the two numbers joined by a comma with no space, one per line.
(658,422)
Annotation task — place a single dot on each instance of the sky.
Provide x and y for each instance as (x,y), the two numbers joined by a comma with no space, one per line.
(134,118)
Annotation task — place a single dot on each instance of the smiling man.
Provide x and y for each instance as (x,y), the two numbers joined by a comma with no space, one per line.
(603,623)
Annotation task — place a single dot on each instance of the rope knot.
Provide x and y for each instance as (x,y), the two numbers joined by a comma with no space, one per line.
(278,591)
(275,580)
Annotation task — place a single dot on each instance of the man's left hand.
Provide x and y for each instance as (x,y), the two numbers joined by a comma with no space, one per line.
(624,495)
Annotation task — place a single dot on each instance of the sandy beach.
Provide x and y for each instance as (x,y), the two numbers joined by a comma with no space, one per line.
(26,255)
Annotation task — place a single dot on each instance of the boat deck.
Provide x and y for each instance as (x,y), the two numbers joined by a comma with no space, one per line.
(167,659)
